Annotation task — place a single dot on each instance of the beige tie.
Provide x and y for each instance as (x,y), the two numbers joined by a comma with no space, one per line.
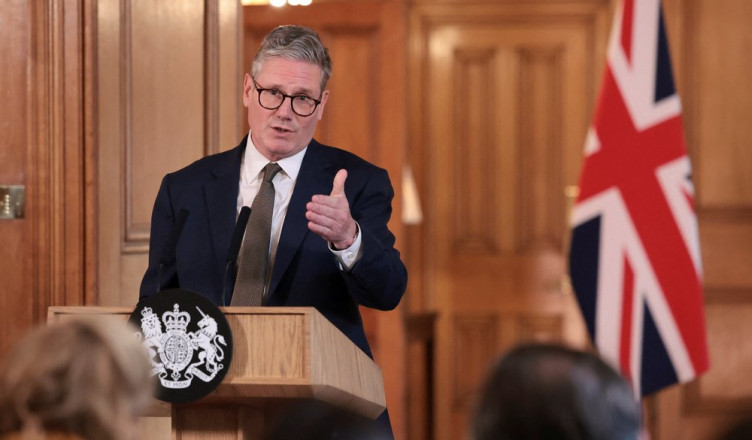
(254,252)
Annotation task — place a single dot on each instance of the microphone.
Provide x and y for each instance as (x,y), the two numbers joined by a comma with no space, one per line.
(234,249)
(171,244)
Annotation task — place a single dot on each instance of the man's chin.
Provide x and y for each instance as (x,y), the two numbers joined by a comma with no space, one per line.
(281,150)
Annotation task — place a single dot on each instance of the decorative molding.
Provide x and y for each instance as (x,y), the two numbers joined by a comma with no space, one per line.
(724,214)
(474,217)
(421,327)
(716,295)
(39,209)
(689,68)
(513,13)
(695,401)
(90,149)
(540,178)
(57,148)
(695,404)
(211,76)
(477,345)
(475,348)
(135,235)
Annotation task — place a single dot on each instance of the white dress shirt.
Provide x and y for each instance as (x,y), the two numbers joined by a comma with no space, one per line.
(284,183)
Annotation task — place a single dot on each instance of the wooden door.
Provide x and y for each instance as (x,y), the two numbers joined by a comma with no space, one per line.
(502,97)
(365,114)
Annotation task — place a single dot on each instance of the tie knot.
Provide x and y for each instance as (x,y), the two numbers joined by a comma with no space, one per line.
(270,170)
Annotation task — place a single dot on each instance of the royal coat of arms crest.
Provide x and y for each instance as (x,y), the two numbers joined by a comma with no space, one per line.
(178,356)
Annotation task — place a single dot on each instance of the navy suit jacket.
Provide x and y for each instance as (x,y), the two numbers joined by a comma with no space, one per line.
(305,272)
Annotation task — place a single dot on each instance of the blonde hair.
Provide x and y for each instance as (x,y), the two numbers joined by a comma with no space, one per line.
(88,377)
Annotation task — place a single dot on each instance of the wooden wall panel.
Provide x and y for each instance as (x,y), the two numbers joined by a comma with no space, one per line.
(726,386)
(722,136)
(16,30)
(168,89)
(473,218)
(481,338)
(227,50)
(705,408)
(539,179)
(354,73)
(163,94)
(725,239)
(476,339)
(46,133)
(711,82)
(15,235)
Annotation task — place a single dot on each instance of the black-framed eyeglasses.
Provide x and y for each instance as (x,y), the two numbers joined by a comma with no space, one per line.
(272,99)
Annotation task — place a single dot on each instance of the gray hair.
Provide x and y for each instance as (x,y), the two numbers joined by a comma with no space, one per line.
(88,377)
(295,43)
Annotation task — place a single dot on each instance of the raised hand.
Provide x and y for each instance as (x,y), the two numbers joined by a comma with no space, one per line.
(329,216)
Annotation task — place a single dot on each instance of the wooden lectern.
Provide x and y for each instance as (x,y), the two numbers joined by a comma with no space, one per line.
(280,354)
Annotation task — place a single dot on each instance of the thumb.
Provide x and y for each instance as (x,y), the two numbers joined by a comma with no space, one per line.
(338,188)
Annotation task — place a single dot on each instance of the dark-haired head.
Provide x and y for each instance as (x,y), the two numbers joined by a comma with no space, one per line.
(545,391)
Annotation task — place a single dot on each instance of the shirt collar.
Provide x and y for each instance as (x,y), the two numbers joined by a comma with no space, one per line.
(254,162)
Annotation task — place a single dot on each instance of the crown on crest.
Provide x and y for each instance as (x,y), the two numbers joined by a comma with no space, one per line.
(146,312)
(176,320)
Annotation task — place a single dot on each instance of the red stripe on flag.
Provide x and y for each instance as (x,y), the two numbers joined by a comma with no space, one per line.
(626,28)
(625,349)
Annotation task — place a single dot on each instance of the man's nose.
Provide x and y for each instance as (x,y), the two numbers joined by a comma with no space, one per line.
(285,110)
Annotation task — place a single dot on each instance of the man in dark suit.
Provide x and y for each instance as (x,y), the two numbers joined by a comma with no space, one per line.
(330,247)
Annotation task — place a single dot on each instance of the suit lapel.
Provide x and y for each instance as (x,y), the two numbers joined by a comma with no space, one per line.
(221,195)
(315,177)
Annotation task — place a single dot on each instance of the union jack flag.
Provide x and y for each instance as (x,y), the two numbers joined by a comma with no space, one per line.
(635,254)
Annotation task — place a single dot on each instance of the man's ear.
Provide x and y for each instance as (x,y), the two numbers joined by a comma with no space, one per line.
(324,98)
(247,90)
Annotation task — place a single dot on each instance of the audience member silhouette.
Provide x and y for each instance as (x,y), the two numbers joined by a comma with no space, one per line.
(551,392)
(79,379)
(741,430)
(316,420)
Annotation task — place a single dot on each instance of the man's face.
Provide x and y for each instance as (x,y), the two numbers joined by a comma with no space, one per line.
(282,133)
